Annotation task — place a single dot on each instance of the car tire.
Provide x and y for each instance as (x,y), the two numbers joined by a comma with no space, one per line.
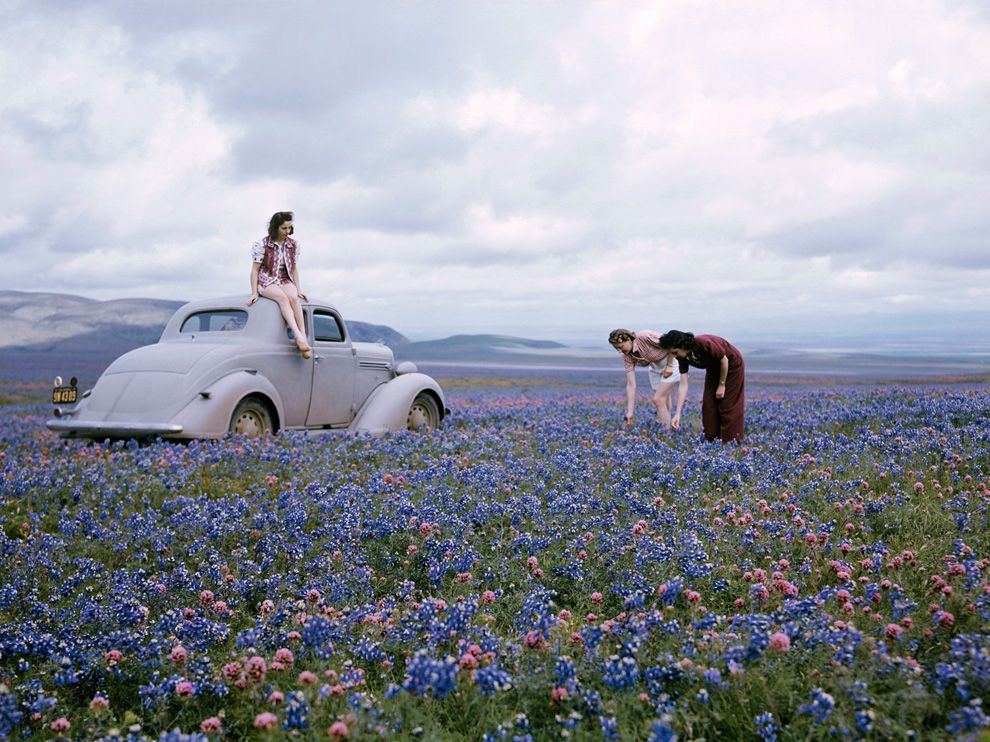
(424,415)
(251,418)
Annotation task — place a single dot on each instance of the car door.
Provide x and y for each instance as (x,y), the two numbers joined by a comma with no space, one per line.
(333,372)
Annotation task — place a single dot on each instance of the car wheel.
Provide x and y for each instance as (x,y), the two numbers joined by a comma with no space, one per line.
(251,418)
(423,414)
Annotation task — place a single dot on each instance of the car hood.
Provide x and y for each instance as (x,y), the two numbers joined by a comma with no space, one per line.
(373,352)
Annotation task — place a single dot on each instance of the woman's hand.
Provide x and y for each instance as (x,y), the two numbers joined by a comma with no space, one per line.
(302,296)
(253,299)
(675,421)
(720,391)
(629,421)
(667,372)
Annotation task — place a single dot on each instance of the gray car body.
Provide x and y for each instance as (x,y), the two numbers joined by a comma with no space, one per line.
(188,384)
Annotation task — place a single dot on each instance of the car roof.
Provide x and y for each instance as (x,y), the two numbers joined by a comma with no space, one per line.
(240,300)
(265,312)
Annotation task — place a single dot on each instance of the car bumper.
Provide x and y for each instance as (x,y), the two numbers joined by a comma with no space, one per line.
(80,429)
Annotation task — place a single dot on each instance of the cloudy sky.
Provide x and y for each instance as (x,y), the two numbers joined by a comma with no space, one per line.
(547,169)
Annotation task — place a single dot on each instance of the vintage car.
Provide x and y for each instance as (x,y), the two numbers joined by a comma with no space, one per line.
(221,366)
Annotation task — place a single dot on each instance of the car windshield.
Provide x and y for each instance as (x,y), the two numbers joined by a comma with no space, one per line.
(215,320)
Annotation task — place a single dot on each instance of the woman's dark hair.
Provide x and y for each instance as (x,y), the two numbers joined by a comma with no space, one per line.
(620,336)
(278,219)
(677,340)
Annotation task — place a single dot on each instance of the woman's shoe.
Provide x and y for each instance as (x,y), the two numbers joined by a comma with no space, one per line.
(306,351)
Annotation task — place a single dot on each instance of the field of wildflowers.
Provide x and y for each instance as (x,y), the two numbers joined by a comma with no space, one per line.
(531,571)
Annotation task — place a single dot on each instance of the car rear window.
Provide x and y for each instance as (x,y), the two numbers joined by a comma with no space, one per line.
(215,320)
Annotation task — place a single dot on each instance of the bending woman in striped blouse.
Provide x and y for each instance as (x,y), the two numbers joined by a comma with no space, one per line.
(643,349)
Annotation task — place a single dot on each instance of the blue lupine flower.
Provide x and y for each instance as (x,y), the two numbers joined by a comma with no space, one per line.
(425,674)
(766,727)
(968,718)
(368,650)
(661,730)
(537,611)
(177,736)
(10,713)
(864,720)
(858,693)
(492,679)
(713,677)
(593,702)
(820,705)
(567,676)
(318,635)
(296,711)
(570,721)
(610,727)
(40,704)
(620,672)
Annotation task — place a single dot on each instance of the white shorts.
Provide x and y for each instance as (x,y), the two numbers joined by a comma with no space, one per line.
(657,378)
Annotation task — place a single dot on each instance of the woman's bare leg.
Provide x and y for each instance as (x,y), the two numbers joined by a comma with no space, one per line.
(293,293)
(662,401)
(278,295)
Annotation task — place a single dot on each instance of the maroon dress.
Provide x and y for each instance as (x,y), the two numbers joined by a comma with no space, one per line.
(721,418)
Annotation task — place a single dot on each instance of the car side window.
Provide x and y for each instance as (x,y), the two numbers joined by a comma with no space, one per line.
(326,328)
(215,320)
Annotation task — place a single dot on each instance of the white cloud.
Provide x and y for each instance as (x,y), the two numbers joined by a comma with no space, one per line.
(123,151)
(532,233)
(707,162)
(504,108)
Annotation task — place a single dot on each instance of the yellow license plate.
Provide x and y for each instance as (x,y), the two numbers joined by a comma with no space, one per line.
(65,395)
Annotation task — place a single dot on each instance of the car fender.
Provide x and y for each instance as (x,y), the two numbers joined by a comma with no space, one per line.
(209,413)
(388,405)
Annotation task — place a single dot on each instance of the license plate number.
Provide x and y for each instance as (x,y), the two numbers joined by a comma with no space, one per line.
(65,395)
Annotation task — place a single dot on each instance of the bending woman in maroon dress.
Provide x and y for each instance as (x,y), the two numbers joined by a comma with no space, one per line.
(275,275)
(725,376)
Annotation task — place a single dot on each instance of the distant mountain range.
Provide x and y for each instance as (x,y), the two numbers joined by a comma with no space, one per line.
(30,319)
(476,347)
(47,331)
(42,334)
(62,321)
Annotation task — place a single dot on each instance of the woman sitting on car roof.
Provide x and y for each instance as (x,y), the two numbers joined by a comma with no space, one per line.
(275,275)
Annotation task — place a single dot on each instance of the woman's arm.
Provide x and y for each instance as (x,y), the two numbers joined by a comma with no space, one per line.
(630,395)
(669,370)
(723,372)
(255,267)
(295,280)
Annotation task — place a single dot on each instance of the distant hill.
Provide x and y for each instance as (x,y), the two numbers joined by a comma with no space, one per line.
(365,332)
(476,347)
(38,320)
(42,334)
(46,322)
